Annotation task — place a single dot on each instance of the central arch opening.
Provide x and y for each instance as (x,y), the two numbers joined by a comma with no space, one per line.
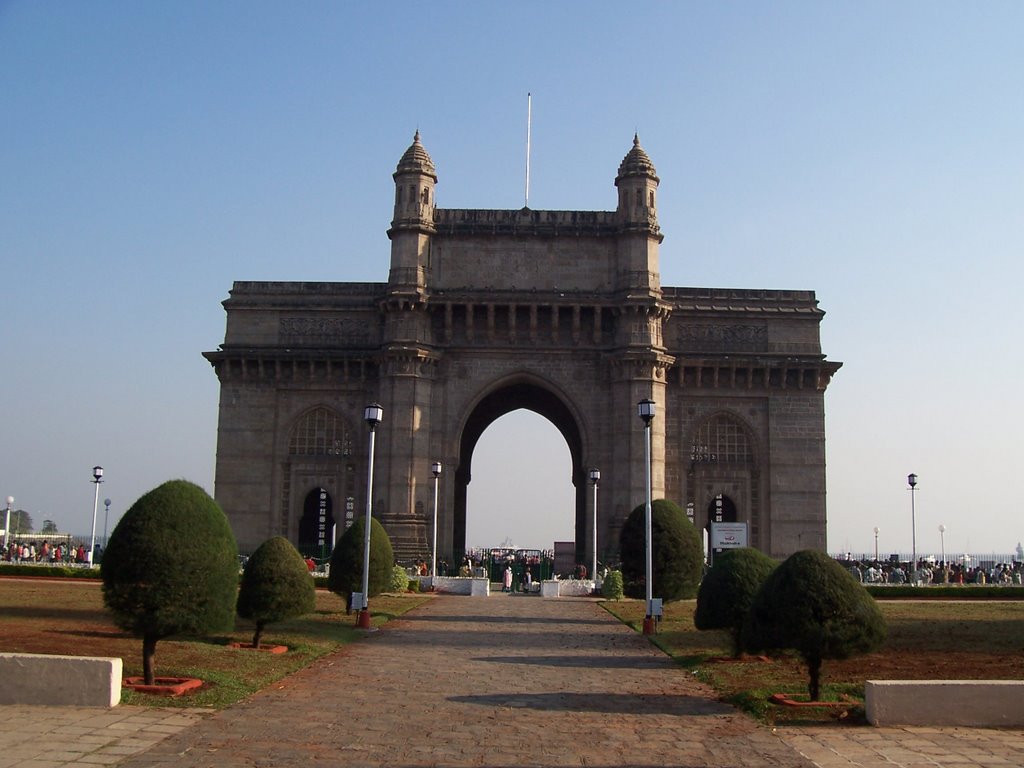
(522,494)
(545,404)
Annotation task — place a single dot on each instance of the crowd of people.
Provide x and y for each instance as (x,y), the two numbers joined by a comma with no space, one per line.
(875,572)
(54,554)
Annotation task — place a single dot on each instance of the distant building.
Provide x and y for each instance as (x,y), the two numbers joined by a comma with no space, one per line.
(489,311)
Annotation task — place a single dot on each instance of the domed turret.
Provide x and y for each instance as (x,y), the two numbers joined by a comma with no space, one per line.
(413,223)
(416,160)
(637,182)
(414,188)
(636,163)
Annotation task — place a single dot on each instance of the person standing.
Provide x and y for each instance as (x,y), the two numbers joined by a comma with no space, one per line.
(506,579)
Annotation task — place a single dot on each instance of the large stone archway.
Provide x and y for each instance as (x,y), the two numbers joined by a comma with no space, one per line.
(487,311)
(508,397)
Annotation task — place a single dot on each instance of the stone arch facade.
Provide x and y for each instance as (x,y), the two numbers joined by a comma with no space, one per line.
(486,311)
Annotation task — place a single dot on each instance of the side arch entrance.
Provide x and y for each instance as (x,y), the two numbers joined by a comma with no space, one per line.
(513,397)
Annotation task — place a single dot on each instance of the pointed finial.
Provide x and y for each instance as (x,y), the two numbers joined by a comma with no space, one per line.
(636,139)
(416,138)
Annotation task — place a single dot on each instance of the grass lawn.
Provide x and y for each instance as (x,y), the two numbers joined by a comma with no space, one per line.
(68,617)
(976,640)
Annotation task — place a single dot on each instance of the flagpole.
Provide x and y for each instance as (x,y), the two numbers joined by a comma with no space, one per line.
(529,120)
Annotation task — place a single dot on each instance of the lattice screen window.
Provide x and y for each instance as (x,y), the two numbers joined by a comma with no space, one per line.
(723,440)
(320,432)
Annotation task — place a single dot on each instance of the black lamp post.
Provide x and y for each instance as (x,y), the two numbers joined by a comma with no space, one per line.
(912,482)
(97,478)
(645,410)
(7,523)
(595,479)
(372,415)
(435,469)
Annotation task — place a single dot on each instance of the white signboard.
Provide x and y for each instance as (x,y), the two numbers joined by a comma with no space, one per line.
(728,535)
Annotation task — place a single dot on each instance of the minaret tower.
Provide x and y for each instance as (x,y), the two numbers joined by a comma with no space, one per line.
(642,360)
(413,221)
(637,214)
(407,356)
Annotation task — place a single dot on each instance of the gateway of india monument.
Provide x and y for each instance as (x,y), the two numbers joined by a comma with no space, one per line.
(488,311)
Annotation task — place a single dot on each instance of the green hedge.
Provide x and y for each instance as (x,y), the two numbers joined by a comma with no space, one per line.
(947,592)
(49,571)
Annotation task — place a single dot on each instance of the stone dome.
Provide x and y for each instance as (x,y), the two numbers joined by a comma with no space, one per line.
(416,159)
(636,162)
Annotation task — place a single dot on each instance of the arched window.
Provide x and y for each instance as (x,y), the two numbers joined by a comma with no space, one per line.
(320,432)
(721,440)
(316,526)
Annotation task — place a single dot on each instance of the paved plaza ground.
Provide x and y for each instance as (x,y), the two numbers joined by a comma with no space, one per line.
(499,681)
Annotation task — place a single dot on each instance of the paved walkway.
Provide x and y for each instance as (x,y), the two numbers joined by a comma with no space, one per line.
(499,681)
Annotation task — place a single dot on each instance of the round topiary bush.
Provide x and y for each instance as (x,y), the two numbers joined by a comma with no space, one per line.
(346,574)
(399,579)
(677,554)
(812,605)
(729,588)
(611,587)
(171,567)
(276,586)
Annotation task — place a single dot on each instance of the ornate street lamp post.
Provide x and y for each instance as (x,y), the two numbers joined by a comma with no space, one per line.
(435,468)
(645,410)
(372,415)
(97,478)
(595,479)
(912,482)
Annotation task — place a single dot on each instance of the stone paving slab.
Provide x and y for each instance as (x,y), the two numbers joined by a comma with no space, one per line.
(499,681)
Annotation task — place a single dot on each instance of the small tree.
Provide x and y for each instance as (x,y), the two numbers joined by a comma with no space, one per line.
(346,574)
(812,605)
(399,579)
(728,590)
(611,587)
(677,556)
(276,586)
(171,567)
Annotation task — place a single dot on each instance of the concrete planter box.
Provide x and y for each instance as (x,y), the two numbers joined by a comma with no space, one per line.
(461,585)
(566,588)
(85,681)
(968,703)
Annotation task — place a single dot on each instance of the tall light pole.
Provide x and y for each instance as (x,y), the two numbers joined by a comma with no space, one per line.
(372,415)
(435,469)
(876,543)
(97,478)
(7,523)
(106,516)
(912,482)
(942,540)
(645,410)
(595,479)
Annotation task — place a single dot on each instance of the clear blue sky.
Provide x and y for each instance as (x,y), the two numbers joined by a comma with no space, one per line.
(152,153)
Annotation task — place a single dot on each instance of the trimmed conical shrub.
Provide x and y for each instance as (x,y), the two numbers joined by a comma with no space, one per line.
(728,590)
(677,552)
(346,574)
(276,586)
(810,604)
(171,567)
